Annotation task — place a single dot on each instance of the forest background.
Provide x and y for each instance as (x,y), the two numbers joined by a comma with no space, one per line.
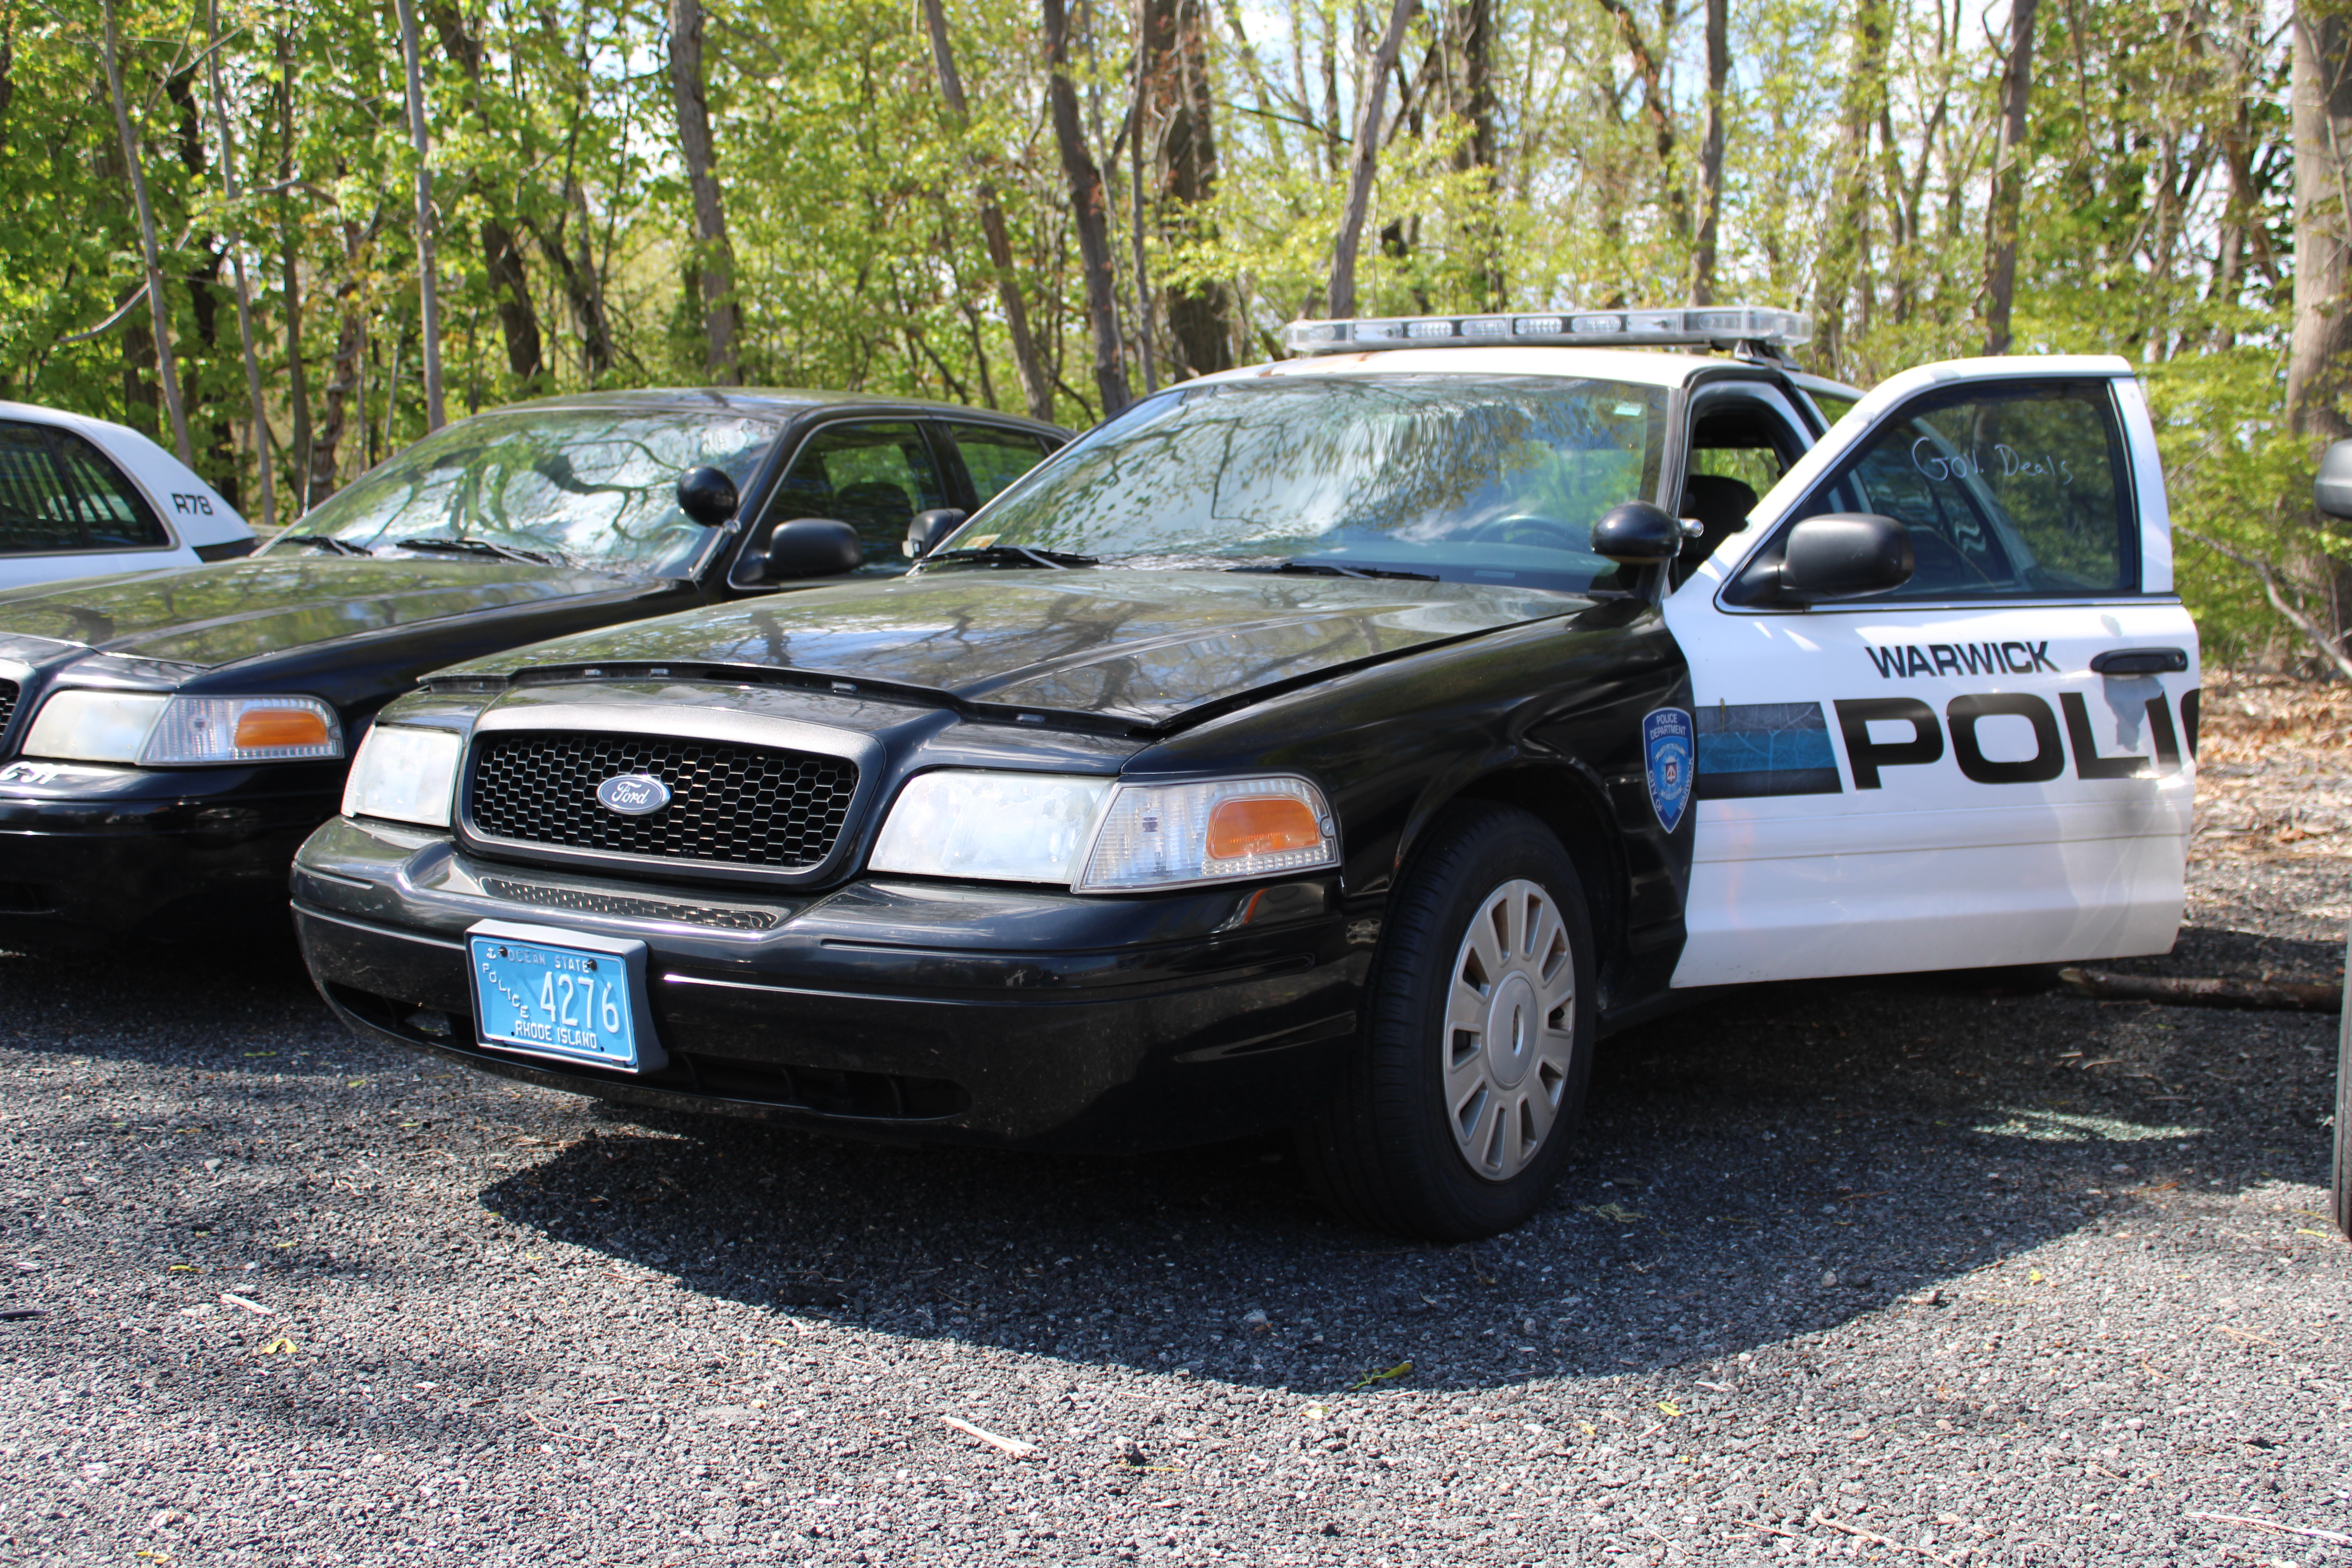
(1058,205)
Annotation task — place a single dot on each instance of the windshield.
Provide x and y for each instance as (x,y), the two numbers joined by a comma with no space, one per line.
(595,487)
(1468,478)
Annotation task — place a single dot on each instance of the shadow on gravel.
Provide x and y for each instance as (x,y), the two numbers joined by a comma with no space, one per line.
(1765,1165)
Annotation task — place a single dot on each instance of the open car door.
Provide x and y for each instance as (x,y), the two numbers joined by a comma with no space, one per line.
(1992,762)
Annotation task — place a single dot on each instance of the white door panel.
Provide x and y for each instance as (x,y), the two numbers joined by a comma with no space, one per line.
(1775,830)
(1897,911)
(1929,781)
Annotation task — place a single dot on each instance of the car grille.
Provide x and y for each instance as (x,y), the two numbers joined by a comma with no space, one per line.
(718,917)
(7,704)
(736,806)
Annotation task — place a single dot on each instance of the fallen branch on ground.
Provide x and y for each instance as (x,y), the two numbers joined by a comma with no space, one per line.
(2288,995)
(1012,1446)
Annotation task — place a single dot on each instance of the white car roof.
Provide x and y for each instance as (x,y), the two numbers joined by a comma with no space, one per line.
(194,512)
(1643,367)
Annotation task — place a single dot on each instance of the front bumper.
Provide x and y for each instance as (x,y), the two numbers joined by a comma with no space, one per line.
(91,854)
(942,1012)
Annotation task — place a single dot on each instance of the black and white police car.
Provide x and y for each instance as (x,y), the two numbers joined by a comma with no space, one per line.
(1344,743)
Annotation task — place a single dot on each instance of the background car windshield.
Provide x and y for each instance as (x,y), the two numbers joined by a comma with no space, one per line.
(1470,478)
(592,487)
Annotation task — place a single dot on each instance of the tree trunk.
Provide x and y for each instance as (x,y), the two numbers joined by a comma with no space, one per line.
(2319,354)
(1843,270)
(428,290)
(1177,109)
(1339,296)
(167,370)
(1474,22)
(1141,119)
(1088,213)
(2008,179)
(223,464)
(298,373)
(1036,387)
(233,239)
(1710,153)
(501,256)
(721,319)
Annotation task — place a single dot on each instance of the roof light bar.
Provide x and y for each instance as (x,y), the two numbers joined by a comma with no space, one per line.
(1697,324)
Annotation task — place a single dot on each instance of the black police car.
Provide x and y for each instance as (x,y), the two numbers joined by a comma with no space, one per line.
(1342,745)
(172,736)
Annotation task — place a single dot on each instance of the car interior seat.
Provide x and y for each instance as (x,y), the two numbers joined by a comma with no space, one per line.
(878,510)
(1720,506)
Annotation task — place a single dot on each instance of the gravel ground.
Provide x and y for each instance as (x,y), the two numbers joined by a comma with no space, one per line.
(1961,1268)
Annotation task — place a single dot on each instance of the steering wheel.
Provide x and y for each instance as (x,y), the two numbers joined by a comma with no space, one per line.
(1552,532)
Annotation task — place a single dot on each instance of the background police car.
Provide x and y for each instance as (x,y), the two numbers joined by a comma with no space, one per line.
(84,498)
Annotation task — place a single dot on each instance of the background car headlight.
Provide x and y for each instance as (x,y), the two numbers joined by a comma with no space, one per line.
(998,826)
(405,774)
(1165,836)
(95,726)
(157,730)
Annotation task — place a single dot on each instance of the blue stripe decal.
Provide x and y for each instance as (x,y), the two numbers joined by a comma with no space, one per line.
(1747,750)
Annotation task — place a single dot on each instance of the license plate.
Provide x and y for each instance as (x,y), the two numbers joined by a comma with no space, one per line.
(561,993)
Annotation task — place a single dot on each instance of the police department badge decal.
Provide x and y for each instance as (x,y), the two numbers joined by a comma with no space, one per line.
(1666,756)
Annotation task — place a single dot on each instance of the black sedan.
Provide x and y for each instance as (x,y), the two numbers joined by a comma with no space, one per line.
(172,736)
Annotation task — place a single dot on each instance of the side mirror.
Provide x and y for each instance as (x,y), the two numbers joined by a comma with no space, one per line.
(2331,491)
(928,528)
(813,547)
(708,495)
(1637,533)
(1845,555)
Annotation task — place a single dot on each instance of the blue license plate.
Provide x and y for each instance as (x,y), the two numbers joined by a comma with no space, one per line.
(561,993)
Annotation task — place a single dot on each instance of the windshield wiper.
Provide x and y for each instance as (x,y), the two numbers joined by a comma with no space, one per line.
(327,541)
(479,547)
(1015,555)
(1331,568)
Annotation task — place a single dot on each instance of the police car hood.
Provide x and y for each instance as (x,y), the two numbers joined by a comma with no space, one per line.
(209,616)
(1140,645)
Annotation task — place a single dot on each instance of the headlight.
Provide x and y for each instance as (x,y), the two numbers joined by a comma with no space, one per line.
(405,774)
(1047,828)
(95,726)
(1000,828)
(157,730)
(1165,836)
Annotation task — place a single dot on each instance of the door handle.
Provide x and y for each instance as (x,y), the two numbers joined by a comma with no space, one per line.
(2139,661)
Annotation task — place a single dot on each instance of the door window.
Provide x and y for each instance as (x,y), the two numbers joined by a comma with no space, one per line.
(59,494)
(873,477)
(2009,490)
(995,459)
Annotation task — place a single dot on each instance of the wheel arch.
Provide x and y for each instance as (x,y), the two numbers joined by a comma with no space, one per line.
(1570,802)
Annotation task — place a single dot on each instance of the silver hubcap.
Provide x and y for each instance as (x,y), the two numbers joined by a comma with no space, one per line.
(1510,1028)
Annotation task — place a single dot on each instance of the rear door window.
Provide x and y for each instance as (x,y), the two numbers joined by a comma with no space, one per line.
(995,459)
(59,494)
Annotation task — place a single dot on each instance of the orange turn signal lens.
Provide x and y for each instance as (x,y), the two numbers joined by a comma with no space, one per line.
(1262,824)
(264,729)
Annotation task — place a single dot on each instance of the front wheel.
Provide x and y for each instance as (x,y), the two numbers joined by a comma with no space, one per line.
(1477,1040)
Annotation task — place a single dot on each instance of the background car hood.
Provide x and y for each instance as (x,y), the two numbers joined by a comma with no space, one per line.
(1144,645)
(240,609)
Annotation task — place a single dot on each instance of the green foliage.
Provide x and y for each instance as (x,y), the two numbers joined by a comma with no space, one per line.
(1859,140)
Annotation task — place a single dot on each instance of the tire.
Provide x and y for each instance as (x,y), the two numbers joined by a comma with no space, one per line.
(1459,1103)
(2344,1101)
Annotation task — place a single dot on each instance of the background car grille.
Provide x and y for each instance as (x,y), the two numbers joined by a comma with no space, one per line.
(7,704)
(741,805)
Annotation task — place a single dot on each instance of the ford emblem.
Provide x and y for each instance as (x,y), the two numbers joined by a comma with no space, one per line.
(633,794)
